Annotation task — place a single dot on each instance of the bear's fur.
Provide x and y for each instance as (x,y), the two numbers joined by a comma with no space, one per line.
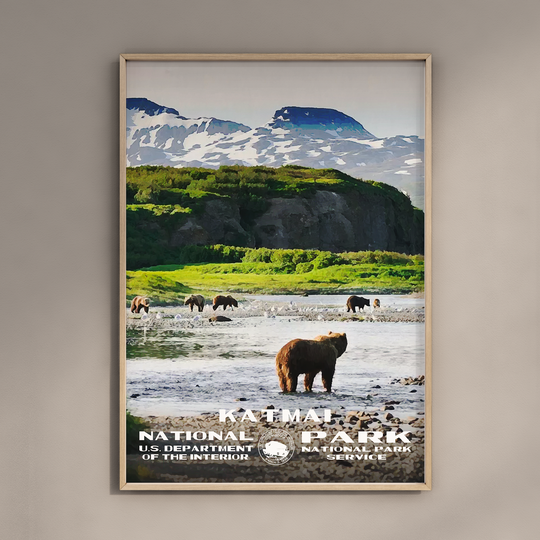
(194,300)
(138,303)
(309,356)
(224,301)
(376,303)
(354,302)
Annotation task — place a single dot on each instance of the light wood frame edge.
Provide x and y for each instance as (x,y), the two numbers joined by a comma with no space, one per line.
(428,149)
(122,292)
(274,487)
(427,58)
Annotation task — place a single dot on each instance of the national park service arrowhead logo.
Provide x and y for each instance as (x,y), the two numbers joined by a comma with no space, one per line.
(276,446)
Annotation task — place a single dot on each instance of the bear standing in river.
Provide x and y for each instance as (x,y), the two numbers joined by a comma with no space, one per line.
(138,303)
(354,302)
(309,356)
(224,301)
(194,300)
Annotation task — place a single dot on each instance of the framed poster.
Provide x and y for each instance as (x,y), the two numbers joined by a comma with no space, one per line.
(275,299)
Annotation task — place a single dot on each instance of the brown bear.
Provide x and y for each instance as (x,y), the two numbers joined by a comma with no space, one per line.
(194,300)
(354,302)
(224,301)
(376,303)
(138,303)
(309,356)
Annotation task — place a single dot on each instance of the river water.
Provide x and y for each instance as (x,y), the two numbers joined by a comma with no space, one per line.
(203,367)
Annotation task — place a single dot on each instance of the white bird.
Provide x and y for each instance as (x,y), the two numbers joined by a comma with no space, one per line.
(144,317)
(196,318)
(158,315)
(178,316)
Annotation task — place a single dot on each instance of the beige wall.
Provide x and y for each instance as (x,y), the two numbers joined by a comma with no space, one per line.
(58,219)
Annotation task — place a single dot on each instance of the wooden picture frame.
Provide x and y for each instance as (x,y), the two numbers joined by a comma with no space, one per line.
(163,391)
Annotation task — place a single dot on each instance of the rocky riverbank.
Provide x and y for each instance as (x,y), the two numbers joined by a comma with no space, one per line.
(180,316)
(322,461)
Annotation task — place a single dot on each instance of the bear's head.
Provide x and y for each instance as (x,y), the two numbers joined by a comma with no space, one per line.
(339,341)
(233,301)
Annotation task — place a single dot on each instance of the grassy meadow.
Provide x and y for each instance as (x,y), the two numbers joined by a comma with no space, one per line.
(278,271)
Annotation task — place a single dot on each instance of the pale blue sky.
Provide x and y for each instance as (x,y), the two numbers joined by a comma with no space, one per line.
(386,97)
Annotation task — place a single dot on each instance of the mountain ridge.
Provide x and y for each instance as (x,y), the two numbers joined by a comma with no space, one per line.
(307,136)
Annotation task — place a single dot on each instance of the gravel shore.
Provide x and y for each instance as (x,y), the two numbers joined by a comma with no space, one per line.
(180,316)
(397,462)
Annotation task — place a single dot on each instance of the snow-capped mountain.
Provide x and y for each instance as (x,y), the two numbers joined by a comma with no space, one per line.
(157,135)
(308,136)
(318,122)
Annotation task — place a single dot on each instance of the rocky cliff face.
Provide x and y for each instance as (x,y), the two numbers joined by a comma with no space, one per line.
(326,220)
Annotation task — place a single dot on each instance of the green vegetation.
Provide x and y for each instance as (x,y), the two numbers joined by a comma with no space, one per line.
(210,270)
(189,185)
(160,200)
(134,472)
(134,424)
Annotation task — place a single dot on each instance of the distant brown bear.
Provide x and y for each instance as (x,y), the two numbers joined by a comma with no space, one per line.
(138,303)
(376,303)
(309,356)
(194,300)
(224,301)
(354,302)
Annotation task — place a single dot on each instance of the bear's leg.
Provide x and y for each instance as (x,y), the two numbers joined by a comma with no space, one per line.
(327,376)
(201,308)
(308,381)
(282,379)
(348,309)
(293,382)
(146,308)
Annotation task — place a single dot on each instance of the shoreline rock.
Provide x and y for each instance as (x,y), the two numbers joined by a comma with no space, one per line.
(312,466)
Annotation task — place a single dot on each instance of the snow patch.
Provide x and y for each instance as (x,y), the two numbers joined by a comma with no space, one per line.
(375,143)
